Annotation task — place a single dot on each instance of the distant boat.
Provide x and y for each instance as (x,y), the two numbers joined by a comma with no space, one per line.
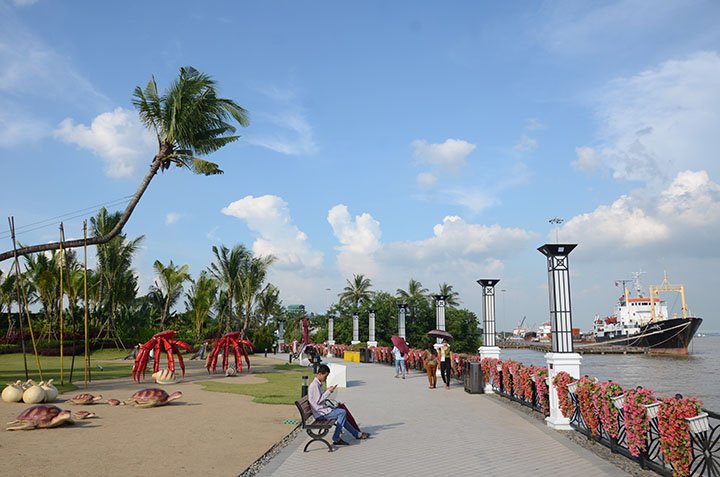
(643,321)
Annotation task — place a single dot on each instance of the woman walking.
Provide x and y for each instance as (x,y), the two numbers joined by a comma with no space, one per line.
(399,362)
(430,359)
(445,369)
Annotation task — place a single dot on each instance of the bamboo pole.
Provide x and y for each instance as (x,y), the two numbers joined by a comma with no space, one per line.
(24,298)
(62,371)
(85,305)
(20,317)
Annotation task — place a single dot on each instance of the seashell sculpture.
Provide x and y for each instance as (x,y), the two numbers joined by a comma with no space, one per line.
(27,384)
(230,371)
(51,392)
(164,376)
(13,392)
(34,395)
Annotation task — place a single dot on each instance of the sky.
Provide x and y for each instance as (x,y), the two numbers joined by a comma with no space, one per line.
(399,140)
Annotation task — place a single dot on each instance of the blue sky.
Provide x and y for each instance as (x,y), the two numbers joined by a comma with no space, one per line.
(426,140)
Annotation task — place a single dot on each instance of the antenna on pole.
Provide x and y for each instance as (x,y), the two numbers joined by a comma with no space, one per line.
(556,221)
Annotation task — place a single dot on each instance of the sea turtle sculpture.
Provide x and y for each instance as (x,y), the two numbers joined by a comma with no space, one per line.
(84,415)
(115,402)
(40,417)
(152,397)
(85,398)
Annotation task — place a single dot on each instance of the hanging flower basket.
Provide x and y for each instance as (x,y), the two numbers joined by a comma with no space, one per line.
(652,410)
(699,423)
(618,401)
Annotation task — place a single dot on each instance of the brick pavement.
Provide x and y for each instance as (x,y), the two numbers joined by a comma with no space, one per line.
(421,432)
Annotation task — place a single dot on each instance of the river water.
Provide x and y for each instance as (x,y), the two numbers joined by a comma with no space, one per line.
(693,375)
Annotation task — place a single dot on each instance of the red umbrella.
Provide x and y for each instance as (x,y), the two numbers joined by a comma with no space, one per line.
(400,344)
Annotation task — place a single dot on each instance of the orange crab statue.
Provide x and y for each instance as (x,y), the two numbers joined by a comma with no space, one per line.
(162,341)
(224,344)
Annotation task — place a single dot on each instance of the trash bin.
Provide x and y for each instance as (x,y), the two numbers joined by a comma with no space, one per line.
(474,383)
(364,355)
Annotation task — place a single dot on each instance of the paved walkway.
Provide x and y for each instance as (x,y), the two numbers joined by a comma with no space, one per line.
(417,431)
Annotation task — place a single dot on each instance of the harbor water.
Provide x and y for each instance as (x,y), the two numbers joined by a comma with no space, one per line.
(694,375)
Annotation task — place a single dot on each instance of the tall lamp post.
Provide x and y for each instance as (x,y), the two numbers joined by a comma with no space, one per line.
(402,311)
(371,330)
(562,357)
(489,349)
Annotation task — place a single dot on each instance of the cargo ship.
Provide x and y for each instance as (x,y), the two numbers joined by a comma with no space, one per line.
(643,321)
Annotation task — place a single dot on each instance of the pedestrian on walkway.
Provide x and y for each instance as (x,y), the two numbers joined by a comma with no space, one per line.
(445,369)
(430,358)
(399,361)
(321,409)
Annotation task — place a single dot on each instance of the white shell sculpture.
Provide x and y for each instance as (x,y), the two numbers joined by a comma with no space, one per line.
(34,395)
(13,392)
(51,392)
(164,376)
(230,371)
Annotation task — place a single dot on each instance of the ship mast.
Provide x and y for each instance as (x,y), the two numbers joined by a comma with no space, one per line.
(666,287)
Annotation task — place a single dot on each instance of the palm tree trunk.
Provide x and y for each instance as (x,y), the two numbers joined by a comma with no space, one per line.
(94,240)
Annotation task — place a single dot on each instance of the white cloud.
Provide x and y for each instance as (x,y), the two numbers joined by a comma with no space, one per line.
(688,210)
(269,217)
(172,217)
(475,200)
(623,224)
(663,120)
(426,180)
(534,124)
(24,3)
(359,238)
(294,138)
(691,200)
(448,156)
(588,159)
(117,137)
(526,144)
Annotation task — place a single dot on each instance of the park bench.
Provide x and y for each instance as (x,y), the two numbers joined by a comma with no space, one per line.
(317,429)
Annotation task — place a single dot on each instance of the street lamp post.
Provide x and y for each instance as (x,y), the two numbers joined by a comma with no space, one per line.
(371,330)
(489,349)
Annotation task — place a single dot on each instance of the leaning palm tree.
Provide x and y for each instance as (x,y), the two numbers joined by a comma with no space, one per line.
(189,120)
(356,291)
(169,284)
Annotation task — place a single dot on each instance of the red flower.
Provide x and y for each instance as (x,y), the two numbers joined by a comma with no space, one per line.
(675,440)
(561,381)
(636,420)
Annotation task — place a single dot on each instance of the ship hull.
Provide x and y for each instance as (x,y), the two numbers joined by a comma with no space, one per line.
(672,336)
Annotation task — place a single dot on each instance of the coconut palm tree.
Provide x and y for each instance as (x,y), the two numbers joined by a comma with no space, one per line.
(413,296)
(199,301)
(43,274)
(227,269)
(8,296)
(356,291)
(269,304)
(250,285)
(170,285)
(189,120)
(452,298)
(117,282)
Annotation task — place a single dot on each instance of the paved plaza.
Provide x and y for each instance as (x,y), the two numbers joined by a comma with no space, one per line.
(421,432)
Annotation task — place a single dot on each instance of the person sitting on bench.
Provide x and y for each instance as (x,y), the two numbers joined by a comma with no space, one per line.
(322,410)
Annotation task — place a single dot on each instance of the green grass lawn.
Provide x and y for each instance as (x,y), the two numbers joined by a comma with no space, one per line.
(282,387)
(12,368)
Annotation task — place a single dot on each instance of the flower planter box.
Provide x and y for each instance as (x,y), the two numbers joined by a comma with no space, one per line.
(652,410)
(699,423)
(618,401)
(572,387)
(352,356)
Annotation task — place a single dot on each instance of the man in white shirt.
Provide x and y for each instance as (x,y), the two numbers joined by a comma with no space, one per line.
(322,410)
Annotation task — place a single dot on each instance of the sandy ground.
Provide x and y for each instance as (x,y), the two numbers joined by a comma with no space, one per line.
(201,433)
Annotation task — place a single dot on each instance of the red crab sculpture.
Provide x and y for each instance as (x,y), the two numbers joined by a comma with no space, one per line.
(159,342)
(224,344)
